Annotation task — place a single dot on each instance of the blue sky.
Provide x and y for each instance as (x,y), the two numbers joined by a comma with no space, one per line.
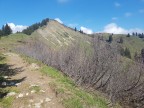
(118,16)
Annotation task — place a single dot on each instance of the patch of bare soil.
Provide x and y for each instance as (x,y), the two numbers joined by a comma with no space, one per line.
(34,90)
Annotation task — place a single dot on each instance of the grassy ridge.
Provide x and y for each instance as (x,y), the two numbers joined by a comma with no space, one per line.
(57,35)
(135,44)
(8,42)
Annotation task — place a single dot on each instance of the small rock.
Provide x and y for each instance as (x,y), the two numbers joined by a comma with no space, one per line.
(33,91)
(47,99)
(29,106)
(33,85)
(11,94)
(31,101)
(37,105)
(42,91)
(5,77)
(34,66)
(17,84)
(41,101)
(20,95)
(27,94)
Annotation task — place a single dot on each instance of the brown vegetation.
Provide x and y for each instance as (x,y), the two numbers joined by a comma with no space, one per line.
(98,66)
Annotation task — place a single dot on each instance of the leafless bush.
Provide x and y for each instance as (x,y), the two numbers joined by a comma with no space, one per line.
(97,65)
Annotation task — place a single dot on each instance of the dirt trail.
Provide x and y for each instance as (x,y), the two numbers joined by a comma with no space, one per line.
(34,90)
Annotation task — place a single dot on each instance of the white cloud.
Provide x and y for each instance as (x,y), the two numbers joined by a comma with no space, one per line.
(128,14)
(62,1)
(17,28)
(86,30)
(60,21)
(141,11)
(117,4)
(114,28)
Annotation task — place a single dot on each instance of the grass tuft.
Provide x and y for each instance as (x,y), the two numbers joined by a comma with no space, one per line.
(72,96)
(6,102)
(36,88)
(73,103)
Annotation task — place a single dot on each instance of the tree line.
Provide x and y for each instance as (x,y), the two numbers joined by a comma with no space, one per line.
(140,35)
(35,26)
(139,57)
(5,30)
(125,51)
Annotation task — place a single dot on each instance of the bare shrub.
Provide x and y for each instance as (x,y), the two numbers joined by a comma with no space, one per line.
(98,65)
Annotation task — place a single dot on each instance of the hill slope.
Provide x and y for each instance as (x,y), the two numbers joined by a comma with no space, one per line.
(59,88)
(56,34)
(97,65)
(134,43)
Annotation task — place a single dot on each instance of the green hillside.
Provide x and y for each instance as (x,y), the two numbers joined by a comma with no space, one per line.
(58,35)
(69,94)
(81,61)
(134,43)
(11,41)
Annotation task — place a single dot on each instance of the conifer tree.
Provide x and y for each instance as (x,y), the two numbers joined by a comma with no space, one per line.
(128,35)
(110,39)
(1,33)
(142,55)
(29,30)
(75,29)
(7,30)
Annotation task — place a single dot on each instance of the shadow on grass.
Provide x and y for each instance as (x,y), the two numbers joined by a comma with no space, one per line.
(7,71)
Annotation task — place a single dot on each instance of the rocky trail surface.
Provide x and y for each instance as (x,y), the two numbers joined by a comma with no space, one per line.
(33,90)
